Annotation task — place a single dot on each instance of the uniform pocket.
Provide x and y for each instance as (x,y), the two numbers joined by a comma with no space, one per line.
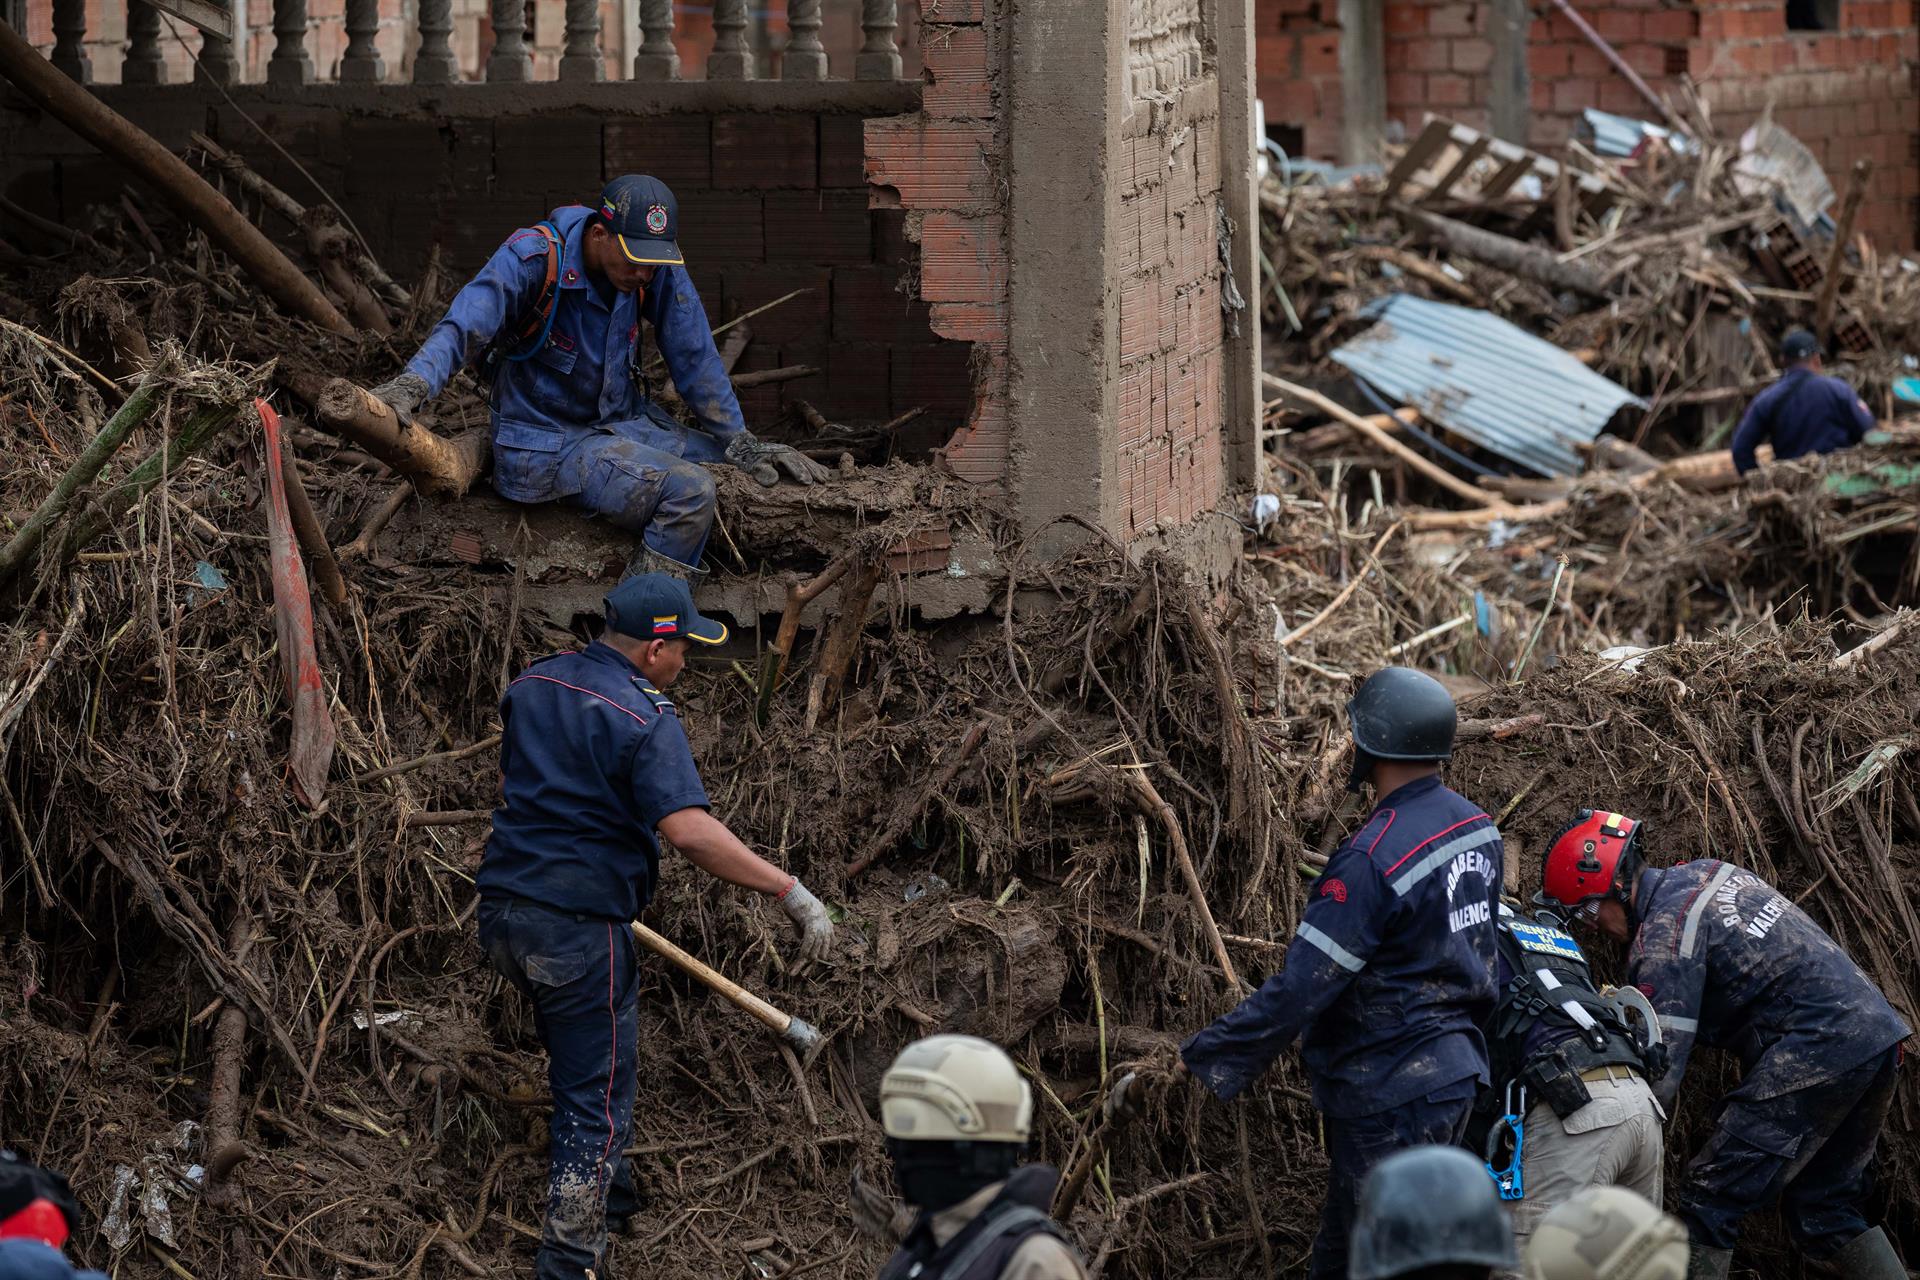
(556,970)
(526,461)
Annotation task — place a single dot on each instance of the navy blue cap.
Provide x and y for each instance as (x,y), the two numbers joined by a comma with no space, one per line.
(1798,345)
(644,218)
(653,606)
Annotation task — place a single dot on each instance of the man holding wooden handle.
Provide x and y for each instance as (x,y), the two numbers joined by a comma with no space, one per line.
(593,761)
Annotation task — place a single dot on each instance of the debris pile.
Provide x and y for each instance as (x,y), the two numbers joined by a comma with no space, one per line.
(245,1011)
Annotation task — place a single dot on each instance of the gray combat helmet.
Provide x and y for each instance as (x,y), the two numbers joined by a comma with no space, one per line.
(1400,714)
(1429,1207)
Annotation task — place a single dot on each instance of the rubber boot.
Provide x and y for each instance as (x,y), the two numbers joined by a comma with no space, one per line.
(1708,1264)
(647,560)
(1868,1256)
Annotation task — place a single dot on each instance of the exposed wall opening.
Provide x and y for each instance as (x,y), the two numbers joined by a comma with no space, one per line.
(1813,15)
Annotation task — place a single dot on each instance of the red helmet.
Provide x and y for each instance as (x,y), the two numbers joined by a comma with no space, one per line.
(1584,860)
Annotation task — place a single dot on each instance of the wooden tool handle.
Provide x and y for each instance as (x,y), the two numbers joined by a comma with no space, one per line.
(775,1020)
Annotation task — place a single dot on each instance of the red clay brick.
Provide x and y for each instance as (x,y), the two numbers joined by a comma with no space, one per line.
(1669,24)
(1617,25)
(1451,20)
(1428,55)
(762,151)
(1292,103)
(1406,20)
(962,259)
(975,322)
(1472,55)
(1273,55)
(1548,61)
(1585,60)
(1448,91)
(932,164)
(1650,60)
(1573,94)
(1320,55)
(955,60)
(1139,316)
(1407,88)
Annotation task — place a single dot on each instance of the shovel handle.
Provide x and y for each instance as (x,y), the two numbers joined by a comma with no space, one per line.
(795,1031)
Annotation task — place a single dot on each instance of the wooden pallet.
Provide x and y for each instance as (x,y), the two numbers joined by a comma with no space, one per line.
(1450,162)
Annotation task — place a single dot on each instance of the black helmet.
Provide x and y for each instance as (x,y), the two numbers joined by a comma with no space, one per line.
(1400,714)
(1428,1207)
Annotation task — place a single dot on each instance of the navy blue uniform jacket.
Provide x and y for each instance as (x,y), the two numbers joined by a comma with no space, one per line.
(1805,412)
(1391,972)
(1728,961)
(592,757)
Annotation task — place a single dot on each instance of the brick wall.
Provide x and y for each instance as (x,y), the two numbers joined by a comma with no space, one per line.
(1171,329)
(472,39)
(940,168)
(1847,93)
(769,202)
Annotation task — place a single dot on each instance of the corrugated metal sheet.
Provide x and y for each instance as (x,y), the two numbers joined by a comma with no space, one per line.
(1484,379)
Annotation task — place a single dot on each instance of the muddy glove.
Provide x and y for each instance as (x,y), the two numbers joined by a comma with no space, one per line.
(765,461)
(1124,1098)
(403,395)
(809,915)
(876,1213)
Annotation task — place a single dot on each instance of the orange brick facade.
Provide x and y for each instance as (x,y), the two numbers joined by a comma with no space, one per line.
(1848,93)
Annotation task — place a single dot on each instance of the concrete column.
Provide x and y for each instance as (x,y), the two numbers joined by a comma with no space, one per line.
(731,57)
(1065,96)
(1240,399)
(218,63)
(511,60)
(362,62)
(1508,88)
(806,57)
(658,58)
(290,63)
(581,58)
(1363,80)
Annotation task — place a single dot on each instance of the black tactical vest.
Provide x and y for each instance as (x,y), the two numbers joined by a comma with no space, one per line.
(1553,985)
(984,1246)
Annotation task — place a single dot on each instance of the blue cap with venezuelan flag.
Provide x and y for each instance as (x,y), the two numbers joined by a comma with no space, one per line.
(644,218)
(653,606)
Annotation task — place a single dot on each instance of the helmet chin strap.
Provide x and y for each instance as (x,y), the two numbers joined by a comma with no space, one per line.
(1625,877)
(1362,766)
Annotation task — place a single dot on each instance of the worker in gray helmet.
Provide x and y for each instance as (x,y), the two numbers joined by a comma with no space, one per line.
(1389,978)
(1429,1213)
(957,1114)
(1607,1233)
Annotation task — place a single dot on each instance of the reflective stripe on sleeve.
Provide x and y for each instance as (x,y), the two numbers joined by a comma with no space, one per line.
(1689,1025)
(1340,955)
(1692,929)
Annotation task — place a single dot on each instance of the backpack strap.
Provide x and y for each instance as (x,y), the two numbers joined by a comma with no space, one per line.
(530,335)
(1017,1219)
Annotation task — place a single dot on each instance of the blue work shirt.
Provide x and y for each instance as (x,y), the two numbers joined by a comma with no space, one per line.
(1390,975)
(1728,961)
(1804,412)
(592,757)
(35,1260)
(582,376)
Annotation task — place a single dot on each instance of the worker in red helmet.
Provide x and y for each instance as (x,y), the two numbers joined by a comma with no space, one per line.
(1727,961)
(37,1214)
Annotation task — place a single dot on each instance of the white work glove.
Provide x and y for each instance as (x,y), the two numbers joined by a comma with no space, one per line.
(809,915)
(764,461)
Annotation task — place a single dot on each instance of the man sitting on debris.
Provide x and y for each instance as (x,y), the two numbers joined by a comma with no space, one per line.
(593,761)
(1728,961)
(1429,1214)
(957,1113)
(552,322)
(1804,412)
(1570,1106)
(1391,972)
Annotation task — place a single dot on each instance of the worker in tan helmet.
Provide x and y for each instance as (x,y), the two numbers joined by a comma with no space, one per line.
(1607,1233)
(957,1113)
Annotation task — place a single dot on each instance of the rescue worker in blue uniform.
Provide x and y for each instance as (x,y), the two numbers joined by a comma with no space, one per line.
(1390,975)
(1804,412)
(593,761)
(1571,1105)
(1730,962)
(552,323)
(37,1215)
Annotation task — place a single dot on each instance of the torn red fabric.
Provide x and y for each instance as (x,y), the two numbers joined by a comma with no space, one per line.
(312,747)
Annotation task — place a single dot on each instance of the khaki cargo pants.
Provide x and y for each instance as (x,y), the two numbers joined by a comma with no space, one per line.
(1615,1140)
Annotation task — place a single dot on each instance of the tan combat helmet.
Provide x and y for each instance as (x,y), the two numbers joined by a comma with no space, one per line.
(1607,1233)
(955,1088)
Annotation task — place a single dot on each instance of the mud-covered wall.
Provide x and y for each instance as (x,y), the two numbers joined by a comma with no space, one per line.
(770,178)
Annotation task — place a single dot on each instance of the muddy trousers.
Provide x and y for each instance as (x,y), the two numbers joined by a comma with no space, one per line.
(1356,1144)
(580,974)
(1613,1141)
(1810,1149)
(643,475)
